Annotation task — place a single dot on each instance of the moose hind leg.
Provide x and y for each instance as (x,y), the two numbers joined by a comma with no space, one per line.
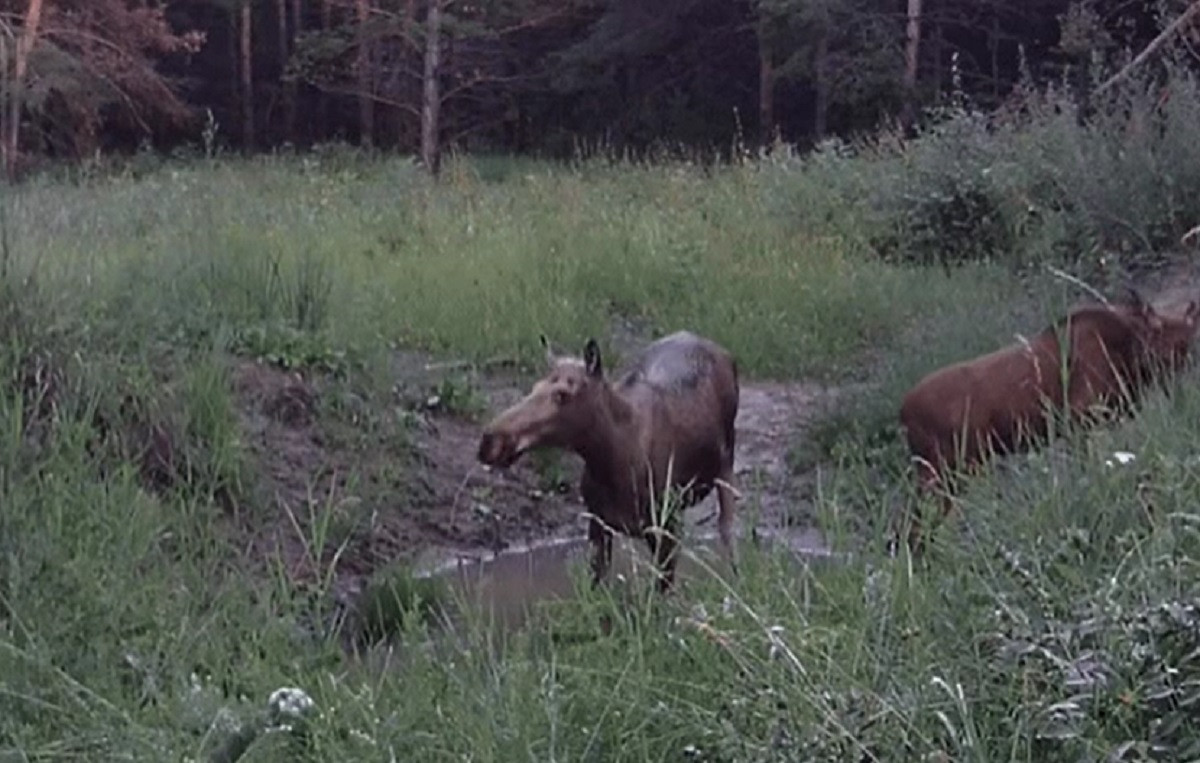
(934,482)
(663,545)
(601,540)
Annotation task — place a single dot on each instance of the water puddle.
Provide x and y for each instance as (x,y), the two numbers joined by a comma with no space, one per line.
(505,585)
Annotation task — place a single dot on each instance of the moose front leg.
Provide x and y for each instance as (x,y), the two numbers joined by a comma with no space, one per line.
(601,540)
(932,482)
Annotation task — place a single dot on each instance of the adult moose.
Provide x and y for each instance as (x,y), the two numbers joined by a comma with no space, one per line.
(667,422)
(1000,402)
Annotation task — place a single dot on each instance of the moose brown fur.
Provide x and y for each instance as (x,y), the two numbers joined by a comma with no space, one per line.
(1000,402)
(667,422)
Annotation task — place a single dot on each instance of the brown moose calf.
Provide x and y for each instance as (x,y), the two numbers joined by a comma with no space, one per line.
(668,422)
(1000,402)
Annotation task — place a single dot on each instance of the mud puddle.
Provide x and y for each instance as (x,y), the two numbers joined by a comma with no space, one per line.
(504,587)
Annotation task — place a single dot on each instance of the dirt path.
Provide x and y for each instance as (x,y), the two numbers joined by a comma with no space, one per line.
(771,419)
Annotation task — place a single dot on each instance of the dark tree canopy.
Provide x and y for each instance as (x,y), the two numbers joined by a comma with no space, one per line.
(540,76)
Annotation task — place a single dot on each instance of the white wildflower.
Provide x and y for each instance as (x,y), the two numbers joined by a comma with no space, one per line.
(290,703)
(776,646)
(1121,457)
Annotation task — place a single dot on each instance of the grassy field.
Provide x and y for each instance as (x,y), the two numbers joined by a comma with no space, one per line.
(1060,623)
(366,255)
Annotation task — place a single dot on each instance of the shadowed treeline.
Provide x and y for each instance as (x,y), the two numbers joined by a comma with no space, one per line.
(529,76)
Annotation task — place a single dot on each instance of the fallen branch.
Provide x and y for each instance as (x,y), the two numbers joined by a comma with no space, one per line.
(1192,11)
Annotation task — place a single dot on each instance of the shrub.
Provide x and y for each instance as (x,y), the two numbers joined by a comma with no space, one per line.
(1039,183)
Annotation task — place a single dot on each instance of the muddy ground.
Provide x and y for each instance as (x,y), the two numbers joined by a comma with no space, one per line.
(409,490)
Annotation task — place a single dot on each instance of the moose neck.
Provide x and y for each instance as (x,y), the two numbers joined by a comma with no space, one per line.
(608,446)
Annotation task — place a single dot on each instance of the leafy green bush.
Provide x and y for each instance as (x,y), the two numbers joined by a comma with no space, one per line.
(1039,182)
(945,201)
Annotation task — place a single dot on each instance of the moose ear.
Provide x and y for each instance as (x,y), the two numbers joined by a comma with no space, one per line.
(546,349)
(591,359)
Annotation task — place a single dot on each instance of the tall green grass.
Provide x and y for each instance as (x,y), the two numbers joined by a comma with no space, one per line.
(1055,620)
(368,258)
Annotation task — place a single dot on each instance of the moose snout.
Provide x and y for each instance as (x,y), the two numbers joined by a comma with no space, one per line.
(496,449)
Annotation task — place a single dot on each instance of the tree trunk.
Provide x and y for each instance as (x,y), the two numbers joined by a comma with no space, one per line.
(821,77)
(294,91)
(936,55)
(247,78)
(432,99)
(235,63)
(912,50)
(366,78)
(994,49)
(323,98)
(29,32)
(289,89)
(407,133)
(766,88)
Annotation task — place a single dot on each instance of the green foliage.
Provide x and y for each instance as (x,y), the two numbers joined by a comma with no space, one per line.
(395,602)
(458,394)
(352,259)
(866,424)
(858,32)
(1037,185)
(1052,620)
(290,348)
(210,429)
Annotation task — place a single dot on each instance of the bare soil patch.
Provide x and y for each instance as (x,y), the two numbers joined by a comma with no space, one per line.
(772,417)
(383,486)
